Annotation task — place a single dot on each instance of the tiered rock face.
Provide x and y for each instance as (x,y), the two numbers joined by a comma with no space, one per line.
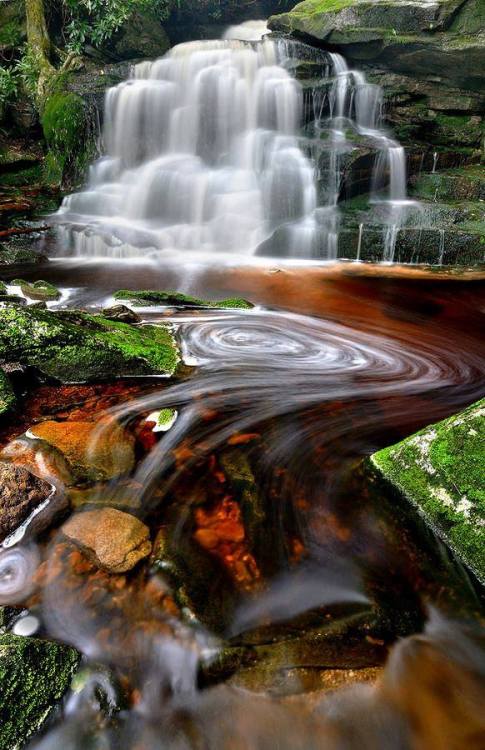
(428,57)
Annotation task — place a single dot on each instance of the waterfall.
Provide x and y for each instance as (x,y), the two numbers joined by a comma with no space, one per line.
(204,153)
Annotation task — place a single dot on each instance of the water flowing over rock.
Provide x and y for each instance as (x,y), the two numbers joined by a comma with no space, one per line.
(117,541)
(93,453)
(205,153)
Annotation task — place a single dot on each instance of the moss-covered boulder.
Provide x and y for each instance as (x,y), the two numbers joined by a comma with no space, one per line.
(34,676)
(453,184)
(440,471)
(41,291)
(73,347)
(147,297)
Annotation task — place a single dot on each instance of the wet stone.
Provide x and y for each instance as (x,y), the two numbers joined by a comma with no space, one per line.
(116,541)
(94,452)
(20,493)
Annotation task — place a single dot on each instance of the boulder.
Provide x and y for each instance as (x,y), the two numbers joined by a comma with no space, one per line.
(77,347)
(116,541)
(34,676)
(20,493)
(440,472)
(93,451)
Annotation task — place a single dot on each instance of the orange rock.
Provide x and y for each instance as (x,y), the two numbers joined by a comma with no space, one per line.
(115,540)
(93,451)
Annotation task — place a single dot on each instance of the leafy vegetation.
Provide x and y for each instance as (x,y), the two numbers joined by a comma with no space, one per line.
(95,21)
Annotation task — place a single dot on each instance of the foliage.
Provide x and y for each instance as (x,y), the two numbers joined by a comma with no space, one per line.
(27,70)
(8,85)
(95,21)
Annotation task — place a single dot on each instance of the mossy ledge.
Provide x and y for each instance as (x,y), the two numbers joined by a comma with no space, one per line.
(440,471)
(149,297)
(73,347)
(34,676)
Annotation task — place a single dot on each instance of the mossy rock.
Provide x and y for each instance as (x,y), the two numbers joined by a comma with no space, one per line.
(34,676)
(77,347)
(440,471)
(42,291)
(7,396)
(453,184)
(149,297)
(65,122)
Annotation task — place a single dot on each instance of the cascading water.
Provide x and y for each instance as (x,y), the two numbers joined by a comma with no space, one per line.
(204,153)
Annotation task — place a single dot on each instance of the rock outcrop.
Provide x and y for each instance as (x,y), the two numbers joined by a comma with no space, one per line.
(428,57)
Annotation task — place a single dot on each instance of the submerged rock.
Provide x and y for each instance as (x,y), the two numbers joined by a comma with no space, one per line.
(440,471)
(34,675)
(148,297)
(115,540)
(20,493)
(75,347)
(94,452)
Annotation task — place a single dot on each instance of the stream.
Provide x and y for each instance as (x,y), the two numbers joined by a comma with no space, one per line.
(278,575)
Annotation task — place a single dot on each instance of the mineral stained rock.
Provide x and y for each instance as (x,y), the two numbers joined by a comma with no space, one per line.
(94,452)
(116,541)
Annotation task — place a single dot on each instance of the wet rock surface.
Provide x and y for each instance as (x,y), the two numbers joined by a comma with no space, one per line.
(116,541)
(75,347)
(20,493)
(93,452)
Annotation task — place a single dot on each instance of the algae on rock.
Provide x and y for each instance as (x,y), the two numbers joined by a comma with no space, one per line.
(73,347)
(148,297)
(34,676)
(440,471)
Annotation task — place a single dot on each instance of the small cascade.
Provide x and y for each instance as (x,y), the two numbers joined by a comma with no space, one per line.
(207,151)
(442,247)
(435,162)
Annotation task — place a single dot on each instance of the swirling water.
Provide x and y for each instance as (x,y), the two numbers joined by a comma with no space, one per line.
(313,392)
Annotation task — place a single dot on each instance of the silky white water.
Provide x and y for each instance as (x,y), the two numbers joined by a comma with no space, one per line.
(204,153)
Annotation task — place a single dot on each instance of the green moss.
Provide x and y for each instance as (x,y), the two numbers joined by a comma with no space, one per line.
(39,290)
(7,396)
(440,470)
(149,297)
(34,675)
(64,125)
(76,347)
